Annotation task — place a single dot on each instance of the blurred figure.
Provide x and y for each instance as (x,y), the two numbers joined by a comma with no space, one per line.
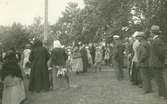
(58,63)
(107,54)
(135,73)
(98,58)
(77,63)
(26,62)
(93,52)
(13,92)
(130,55)
(118,57)
(143,53)
(157,59)
(90,61)
(84,56)
(69,59)
(39,76)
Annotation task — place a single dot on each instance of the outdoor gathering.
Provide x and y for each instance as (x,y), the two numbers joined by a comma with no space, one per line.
(83,52)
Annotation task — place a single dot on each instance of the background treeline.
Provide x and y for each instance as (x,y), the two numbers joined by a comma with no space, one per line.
(99,20)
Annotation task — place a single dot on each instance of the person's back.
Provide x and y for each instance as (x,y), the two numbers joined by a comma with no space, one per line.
(39,76)
(13,90)
(99,56)
(58,56)
(143,52)
(118,54)
(39,54)
(157,55)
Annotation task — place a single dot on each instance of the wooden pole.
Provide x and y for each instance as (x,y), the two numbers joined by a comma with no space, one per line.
(46,22)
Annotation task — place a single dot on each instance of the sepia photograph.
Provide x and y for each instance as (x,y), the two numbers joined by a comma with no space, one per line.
(83,52)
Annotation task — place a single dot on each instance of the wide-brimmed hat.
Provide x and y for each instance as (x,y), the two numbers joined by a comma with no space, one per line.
(57,44)
(27,45)
(116,36)
(135,34)
(141,34)
(155,28)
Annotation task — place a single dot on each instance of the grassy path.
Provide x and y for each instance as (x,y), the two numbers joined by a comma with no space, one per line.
(98,88)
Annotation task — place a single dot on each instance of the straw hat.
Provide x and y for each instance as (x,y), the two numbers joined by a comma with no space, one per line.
(155,28)
(116,36)
(57,44)
(141,34)
(135,34)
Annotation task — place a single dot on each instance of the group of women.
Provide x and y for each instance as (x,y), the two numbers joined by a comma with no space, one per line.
(38,66)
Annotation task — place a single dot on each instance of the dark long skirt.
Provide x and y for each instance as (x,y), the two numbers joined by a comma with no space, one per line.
(135,74)
(39,78)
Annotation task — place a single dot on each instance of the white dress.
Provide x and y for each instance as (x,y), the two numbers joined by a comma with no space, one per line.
(13,92)
(77,65)
(135,46)
(26,54)
(89,57)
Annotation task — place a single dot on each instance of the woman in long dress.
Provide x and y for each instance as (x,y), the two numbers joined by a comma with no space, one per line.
(90,61)
(77,64)
(26,62)
(13,92)
(39,76)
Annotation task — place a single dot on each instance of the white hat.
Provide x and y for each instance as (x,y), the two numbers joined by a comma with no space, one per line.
(155,28)
(57,44)
(135,34)
(140,34)
(116,37)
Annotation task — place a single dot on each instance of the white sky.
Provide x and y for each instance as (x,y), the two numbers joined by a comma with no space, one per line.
(24,11)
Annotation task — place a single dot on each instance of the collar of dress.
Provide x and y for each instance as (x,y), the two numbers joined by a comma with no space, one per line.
(155,37)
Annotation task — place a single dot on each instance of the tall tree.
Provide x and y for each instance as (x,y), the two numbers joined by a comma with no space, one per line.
(15,36)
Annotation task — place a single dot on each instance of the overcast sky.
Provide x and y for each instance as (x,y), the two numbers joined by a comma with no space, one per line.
(24,11)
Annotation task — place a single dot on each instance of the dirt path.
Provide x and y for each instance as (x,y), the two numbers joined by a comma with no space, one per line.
(98,88)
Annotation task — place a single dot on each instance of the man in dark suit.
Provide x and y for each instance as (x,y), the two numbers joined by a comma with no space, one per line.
(118,56)
(92,52)
(143,61)
(157,59)
(84,58)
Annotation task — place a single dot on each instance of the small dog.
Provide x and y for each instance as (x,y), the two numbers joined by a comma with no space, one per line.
(61,72)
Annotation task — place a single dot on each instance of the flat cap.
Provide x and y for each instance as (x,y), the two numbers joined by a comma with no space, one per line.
(141,34)
(116,36)
(155,28)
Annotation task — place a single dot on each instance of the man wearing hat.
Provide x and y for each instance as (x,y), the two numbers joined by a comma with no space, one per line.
(143,61)
(157,59)
(118,56)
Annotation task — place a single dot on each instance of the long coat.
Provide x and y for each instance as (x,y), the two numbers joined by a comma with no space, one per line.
(143,52)
(84,57)
(93,53)
(118,54)
(39,76)
(157,53)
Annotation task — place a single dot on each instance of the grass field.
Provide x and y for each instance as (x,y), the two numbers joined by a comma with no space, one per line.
(97,88)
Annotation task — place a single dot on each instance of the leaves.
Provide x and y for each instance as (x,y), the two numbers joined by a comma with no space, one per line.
(15,36)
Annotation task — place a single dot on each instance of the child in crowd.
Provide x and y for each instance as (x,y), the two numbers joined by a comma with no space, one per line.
(98,59)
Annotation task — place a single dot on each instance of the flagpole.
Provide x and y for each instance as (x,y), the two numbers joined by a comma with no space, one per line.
(46,22)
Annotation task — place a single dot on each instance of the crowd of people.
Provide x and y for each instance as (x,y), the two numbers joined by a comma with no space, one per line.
(46,69)
(38,69)
(147,60)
